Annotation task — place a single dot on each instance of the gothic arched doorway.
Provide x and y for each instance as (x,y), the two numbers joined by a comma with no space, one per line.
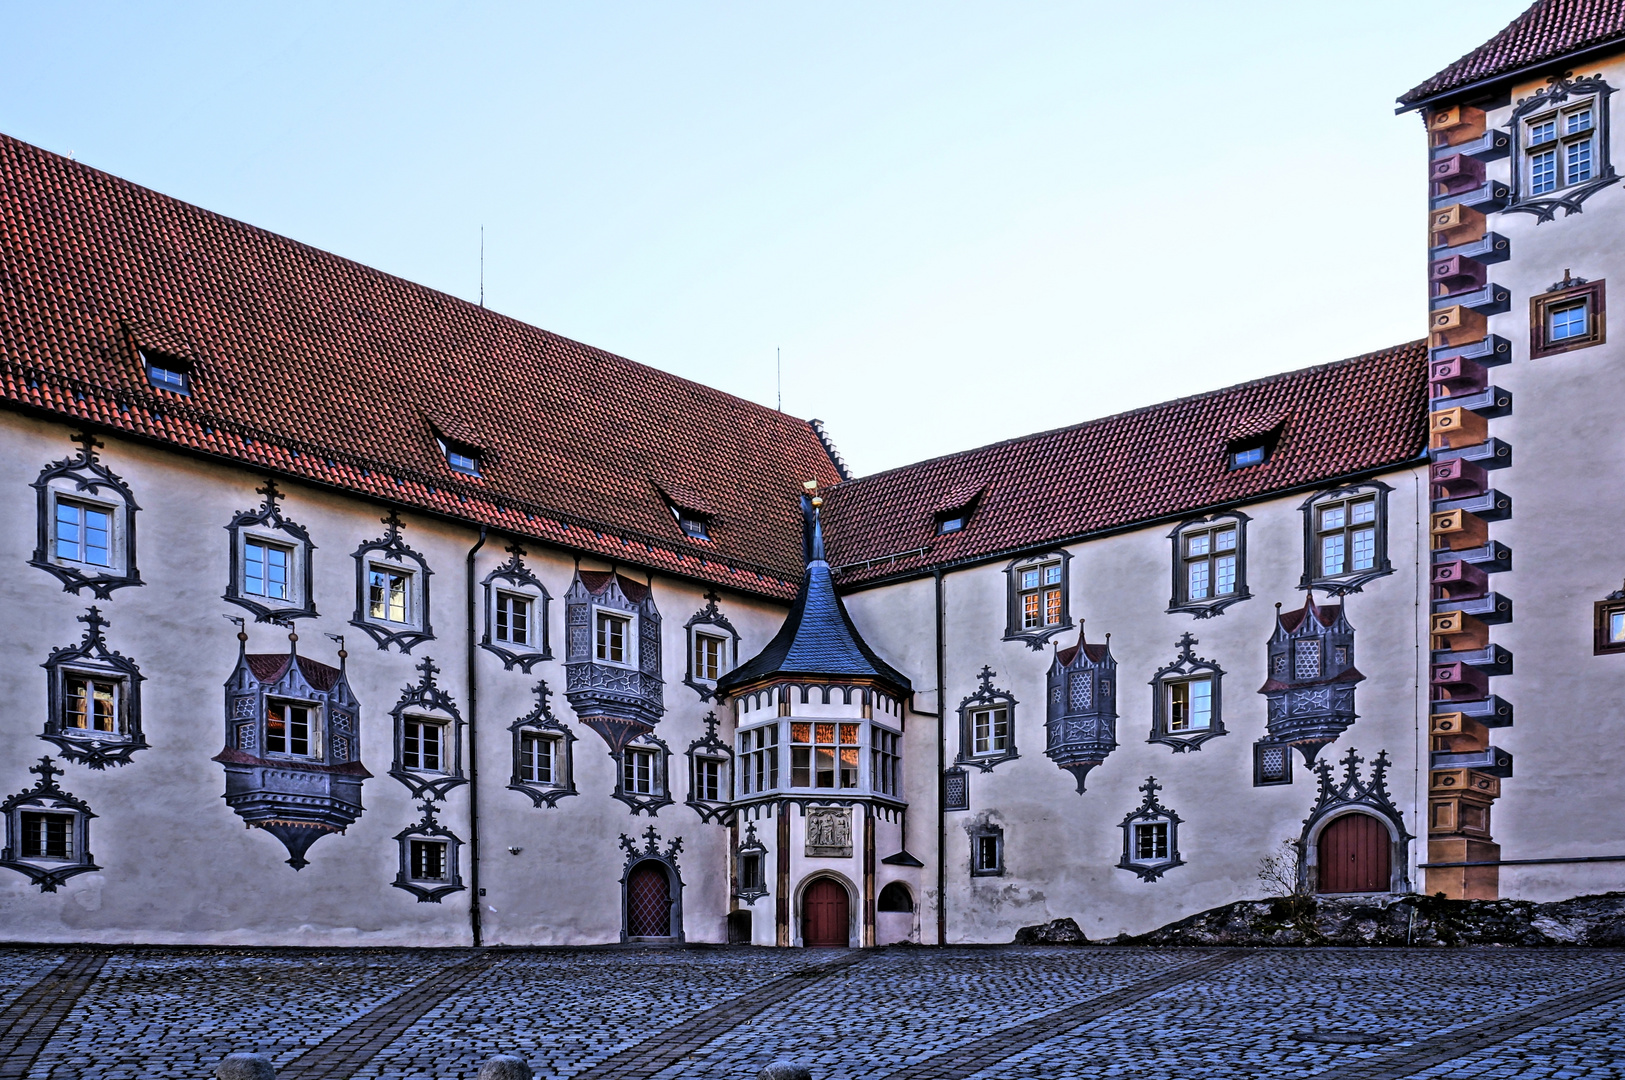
(826,915)
(648,901)
(1353,855)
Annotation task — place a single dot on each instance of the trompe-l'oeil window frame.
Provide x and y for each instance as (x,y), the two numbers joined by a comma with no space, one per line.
(509,588)
(1213,528)
(268,531)
(1350,580)
(391,553)
(82,481)
(984,710)
(1560,103)
(1187,669)
(1018,591)
(1547,321)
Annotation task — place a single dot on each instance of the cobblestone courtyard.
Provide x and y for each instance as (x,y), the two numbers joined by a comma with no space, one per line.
(910,1015)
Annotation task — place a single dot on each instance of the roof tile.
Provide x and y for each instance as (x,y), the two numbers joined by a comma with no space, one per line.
(1546,31)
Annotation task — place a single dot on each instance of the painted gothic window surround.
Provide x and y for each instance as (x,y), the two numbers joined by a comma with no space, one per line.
(1560,147)
(750,861)
(270,562)
(1186,700)
(1081,707)
(612,656)
(516,609)
(642,774)
(1150,836)
(428,737)
(651,889)
(93,699)
(1210,564)
(987,725)
(1311,679)
(1038,604)
(543,753)
(710,768)
(713,646)
(986,850)
(86,523)
(392,590)
(1345,538)
(47,831)
(293,747)
(1570,315)
(429,859)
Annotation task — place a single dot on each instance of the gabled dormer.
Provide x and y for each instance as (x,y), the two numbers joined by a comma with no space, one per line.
(612,655)
(1081,716)
(1311,677)
(293,750)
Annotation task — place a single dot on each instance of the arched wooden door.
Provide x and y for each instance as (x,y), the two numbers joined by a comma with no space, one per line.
(1353,855)
(826,915)
(648,901)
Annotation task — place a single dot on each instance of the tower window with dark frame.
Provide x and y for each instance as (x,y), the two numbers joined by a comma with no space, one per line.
(428,860)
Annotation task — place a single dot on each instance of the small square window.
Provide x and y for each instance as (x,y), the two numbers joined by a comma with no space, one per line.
(1151,842)
(47,835)
(1609,626)
(1272,764)
(428,860)
(1569,316)
(694,525)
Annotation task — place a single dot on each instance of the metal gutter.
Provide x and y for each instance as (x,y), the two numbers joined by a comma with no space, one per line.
(474,891)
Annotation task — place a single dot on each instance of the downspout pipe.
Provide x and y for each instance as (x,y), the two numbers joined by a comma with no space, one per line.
(474,891)
(942,813)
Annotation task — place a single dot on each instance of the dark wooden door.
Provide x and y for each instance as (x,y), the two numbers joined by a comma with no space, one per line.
(1354,855)
(648,901)
(826,917)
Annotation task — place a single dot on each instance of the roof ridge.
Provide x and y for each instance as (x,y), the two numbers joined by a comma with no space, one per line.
(1169,403)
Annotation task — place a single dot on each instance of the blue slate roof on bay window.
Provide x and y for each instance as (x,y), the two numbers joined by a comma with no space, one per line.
(817,637)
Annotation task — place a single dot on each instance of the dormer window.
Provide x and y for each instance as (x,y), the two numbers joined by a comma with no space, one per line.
(693,524)
(461,457)
(166,372)
(1249,453)
(950,523)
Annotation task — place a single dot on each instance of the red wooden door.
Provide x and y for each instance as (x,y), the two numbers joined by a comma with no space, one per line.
(826,918)
(648,901)
(1354,855)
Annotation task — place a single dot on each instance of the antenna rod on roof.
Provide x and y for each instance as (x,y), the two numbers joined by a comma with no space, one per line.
(778,367)
(482,266)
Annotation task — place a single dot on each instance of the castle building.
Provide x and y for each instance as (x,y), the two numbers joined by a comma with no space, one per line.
(343,612)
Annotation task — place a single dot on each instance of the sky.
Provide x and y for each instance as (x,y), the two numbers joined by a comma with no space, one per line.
(957,223)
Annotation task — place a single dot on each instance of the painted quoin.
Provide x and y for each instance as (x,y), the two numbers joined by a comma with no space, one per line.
(341,611)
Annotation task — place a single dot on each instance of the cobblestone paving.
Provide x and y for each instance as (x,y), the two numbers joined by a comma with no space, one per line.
(171,1014)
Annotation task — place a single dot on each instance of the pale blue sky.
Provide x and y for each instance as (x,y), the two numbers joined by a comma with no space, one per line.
(961,222)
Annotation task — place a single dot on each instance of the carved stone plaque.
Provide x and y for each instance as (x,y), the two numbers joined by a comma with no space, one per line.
(829,832)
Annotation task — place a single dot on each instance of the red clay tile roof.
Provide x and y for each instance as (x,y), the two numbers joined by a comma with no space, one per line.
(318,368)
(1161,462)
(269,667)
(1548,30)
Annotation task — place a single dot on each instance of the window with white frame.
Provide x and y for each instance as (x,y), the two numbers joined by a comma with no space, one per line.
(538,758)
(886,762)
(293,729)
(1190,704)
(511,619)
(83,532)
(990,731)
(267,568)
(640,772)
(92,704)
(1345,538)
(423,744)
(389,594)
(1209,559)
(759,760)
(612,637)
(1039,596)
(1560,147)
(1150,841)
(710,779)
